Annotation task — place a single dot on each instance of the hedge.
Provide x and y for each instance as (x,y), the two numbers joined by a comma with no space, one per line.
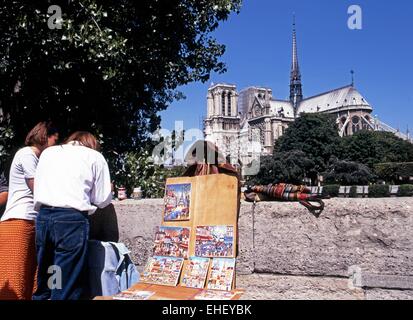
(405,190)
(332,190)
(379,191)
(353,192)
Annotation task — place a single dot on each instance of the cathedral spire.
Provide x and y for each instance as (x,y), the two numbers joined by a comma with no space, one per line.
(295,66)
(296,91)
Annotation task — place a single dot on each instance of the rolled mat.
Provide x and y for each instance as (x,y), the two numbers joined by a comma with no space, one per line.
(286,192)
(17,259)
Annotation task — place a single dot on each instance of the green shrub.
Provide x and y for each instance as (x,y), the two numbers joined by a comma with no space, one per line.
(405,190)
(393,171)
(379,191)
(353,192)
(331,190)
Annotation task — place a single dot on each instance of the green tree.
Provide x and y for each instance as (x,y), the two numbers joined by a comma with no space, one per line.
(395,172)
(371,148)
(316,135)
(347,173)
(135,169)
(287,167)
(6,139)
(111,67)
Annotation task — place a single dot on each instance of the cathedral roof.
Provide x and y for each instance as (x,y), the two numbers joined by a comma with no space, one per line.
(342,98)
(282,106)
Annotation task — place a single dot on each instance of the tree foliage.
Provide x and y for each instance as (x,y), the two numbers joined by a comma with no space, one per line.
(394,172)
(311,146)
(316,135)
(111,67)
(135,169)
(288,167)
(6,138)
(371,148)
(347,173)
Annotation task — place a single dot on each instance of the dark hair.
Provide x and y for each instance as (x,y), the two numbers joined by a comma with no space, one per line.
(39,134)
(205,152)
(85,138)
(51,131)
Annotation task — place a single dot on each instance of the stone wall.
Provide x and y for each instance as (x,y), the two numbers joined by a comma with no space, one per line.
(357,249)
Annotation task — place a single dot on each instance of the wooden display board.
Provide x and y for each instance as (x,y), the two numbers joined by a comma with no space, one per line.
(165,293)
(214,202)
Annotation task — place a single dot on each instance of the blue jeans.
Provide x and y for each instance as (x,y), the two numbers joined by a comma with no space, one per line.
(61,244)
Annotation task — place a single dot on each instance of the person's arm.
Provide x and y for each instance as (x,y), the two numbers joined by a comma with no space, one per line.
(101,193)
(3,198)
(3,190)
(29,165)
(30,184)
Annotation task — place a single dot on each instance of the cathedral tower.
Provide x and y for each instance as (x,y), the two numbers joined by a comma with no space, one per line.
(222,123)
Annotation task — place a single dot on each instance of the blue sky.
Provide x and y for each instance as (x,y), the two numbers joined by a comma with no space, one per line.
(258,52)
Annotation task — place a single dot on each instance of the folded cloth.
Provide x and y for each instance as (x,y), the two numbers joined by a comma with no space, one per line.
(285,192)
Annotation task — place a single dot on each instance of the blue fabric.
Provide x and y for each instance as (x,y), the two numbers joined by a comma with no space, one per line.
(61,241)
(110,268)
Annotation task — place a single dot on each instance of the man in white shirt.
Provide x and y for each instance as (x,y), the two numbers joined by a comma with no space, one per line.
(72,181)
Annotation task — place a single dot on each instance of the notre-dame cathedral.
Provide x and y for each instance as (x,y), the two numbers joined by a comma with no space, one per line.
(234,119)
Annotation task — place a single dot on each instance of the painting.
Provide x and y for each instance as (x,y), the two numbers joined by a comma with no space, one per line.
(162,270)
(221,274)
(214,241)
(177,202)
(215,295)
(133,295)
(195,273)
(172,242)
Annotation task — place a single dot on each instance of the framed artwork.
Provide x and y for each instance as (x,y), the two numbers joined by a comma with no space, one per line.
(214,241)
(177,202)
(172,242)
(215,295)
(162,271)
(195,273)
(133,295)
(221,274)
